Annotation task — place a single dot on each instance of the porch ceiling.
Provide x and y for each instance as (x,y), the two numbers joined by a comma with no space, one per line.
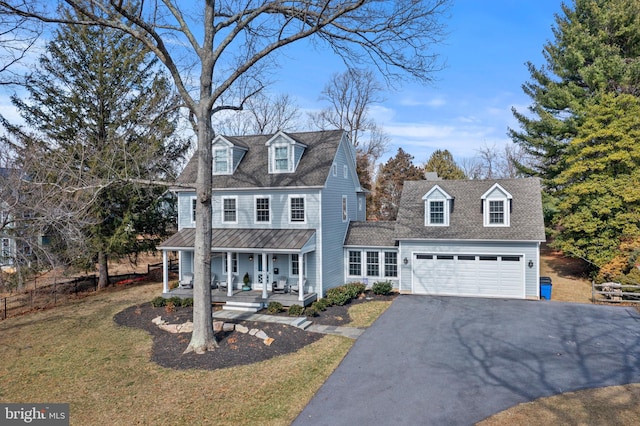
(243,239)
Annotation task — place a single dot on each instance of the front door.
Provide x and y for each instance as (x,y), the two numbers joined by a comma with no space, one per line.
(261,272)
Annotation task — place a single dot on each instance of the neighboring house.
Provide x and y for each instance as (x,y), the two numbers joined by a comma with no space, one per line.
(282,205)
(7,226)
(290,206)
(455,237)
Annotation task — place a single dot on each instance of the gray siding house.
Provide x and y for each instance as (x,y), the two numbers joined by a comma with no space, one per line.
(282,205)
(460,238)
(289,208)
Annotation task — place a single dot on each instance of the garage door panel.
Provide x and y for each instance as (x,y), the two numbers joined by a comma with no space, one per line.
(468,275)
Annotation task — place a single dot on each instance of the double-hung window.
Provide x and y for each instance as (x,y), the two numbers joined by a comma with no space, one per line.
(436,212)
(221,160)
(229,210)
(355,263)
(262,210)
(297,209)
(373,264)
(496,212)
(390,264)
(281,154)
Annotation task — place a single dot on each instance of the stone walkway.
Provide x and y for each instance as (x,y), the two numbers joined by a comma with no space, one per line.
(300,322)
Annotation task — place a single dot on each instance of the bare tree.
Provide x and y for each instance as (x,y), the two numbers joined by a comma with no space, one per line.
(262,114)
(224,49)
(17,35)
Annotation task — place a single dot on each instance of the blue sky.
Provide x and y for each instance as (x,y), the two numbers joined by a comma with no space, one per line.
(469,104)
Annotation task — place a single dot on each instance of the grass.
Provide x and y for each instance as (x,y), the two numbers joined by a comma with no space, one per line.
(77,354)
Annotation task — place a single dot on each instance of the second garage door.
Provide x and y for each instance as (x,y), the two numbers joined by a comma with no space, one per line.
(468,275)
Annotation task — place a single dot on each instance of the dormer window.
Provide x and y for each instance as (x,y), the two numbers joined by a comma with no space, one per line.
(437,207)
(221,160)
(496,206)
(281,158)
(284,153)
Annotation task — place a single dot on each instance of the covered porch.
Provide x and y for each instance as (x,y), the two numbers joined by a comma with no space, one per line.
(246,264)
(219,296)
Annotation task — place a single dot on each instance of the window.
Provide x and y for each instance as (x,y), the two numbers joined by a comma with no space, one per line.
(465,257)
(334,169)
(281,155)
(390,264)
(436,212)
(355,263)
(262,210)
(345,171)
(221,160)
(229,212)
(6,248)
(297,209)
(373,264)
(496,212)
(193,209)
(234,263)
(295,264)
(345,214)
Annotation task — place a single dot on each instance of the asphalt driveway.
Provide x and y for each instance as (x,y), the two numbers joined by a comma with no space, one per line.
(449,360)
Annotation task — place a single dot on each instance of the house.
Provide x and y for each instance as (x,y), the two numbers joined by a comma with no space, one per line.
(289,207)
(455,237)
(282,205)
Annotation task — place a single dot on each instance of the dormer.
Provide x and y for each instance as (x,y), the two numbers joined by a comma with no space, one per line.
(496,206)
(284,153)
(226,155)
(437,207)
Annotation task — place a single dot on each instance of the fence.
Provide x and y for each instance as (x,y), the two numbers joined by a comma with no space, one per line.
(615,292)
(46,296)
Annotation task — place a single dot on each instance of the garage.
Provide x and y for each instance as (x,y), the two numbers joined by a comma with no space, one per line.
(469,275)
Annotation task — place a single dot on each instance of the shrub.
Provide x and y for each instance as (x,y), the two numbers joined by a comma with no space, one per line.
(321,305)
(295,310)
(274,307)
(187,302)
(338,296)
(169,307)
(177,301)
(311,311)
(355,289)
(158,302)
(382,287)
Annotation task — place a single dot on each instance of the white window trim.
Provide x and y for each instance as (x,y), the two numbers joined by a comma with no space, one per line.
(334,169)
(229,197)
(382,257)
(427,206)
(304,198)
(192,209)
(427,211)
(272,155)
(255,210)
(345,171)
(229,156)
(505,209)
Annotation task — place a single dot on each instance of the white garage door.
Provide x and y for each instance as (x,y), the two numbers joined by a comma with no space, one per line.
(469,275)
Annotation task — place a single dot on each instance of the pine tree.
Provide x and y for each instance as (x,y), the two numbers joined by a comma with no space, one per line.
(389,183)
(99,115)
(442,162)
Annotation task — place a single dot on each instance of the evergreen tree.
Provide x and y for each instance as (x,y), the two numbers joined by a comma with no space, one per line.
(100,116)
(596,49)
(442,162)
(599,188)
(389,183)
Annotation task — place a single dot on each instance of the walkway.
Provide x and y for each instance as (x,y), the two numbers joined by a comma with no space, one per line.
(350,332)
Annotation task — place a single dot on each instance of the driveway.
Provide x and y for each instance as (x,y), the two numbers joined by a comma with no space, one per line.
(447,360)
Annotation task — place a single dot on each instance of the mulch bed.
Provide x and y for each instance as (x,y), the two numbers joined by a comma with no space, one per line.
(235,348)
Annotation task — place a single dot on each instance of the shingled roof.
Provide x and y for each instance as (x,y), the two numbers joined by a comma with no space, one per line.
(252,172)
(466,219)
(371,234)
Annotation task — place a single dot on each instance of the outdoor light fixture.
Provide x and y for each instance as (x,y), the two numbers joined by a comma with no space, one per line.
(531,264)
(405,261)
(274,258)
(250,258)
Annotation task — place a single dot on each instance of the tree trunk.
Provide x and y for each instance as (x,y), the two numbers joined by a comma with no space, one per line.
(202,338)
(103,270)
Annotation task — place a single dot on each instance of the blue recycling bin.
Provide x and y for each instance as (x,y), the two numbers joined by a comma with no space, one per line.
(545,288)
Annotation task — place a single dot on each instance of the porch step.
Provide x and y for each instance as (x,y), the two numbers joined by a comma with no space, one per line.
(242,306)
(301,323)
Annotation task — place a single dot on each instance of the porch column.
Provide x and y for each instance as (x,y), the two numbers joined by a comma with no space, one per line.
(229,274)
(265,274)
(165,271)
(301,278)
